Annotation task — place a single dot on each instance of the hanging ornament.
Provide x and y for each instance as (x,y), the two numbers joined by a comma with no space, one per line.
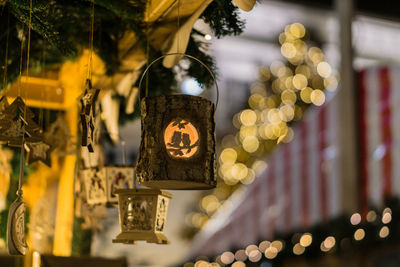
(142,215)
(3,105)
(95,185)
(117,177)
(16,241)
(39,152)
(58,135)
(17,124)
(177,149)
(88,116)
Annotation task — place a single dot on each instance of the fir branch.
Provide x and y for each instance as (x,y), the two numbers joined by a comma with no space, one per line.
(223,18)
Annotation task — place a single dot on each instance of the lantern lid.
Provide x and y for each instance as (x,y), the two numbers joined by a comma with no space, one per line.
(142,191)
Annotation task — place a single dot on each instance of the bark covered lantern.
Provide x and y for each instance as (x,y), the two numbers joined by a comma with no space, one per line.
(142,215)
(177,149)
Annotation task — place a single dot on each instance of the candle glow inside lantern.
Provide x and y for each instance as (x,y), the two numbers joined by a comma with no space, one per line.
(177,149)
(142,215)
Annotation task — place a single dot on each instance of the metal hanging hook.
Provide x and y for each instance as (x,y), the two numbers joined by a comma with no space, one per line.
(180,54)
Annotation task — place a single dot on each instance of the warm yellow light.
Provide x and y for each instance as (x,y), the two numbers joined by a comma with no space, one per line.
(189,264)
(297,30)
(201,263)
(355,219)
(273,116)
(248,117)
(251,176)
(254,100)
(299,81)
(228,155)
(384,232)
(259,166)
(271,253)
(240,255)
(359,234)
(329,242)
(288,50)
(264,245)
(306,240)
(286,113)
(277,244)
(305,94)
(317,97)
(331,83)
(387,218)
(239,264)
(324,69)
(250,144)
(250,248)
(298,249)
(288,97)
(265,75)
(239,171)
(181,139)
(255,255)
(227,257)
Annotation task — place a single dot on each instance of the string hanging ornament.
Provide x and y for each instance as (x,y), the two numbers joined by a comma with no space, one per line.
(177,149)
(16,241)
(88,101)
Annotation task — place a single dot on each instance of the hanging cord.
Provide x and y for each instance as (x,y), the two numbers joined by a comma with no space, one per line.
(178,26)
(90,63)
(22,157)
(6,61)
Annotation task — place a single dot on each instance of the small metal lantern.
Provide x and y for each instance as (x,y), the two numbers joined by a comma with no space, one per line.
(142,215)
(177,149)
(100,185)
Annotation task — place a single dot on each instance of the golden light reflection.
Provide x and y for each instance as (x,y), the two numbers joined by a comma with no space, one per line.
(317,97)
(384,232)
(271,253)
(359,234)
(227,257)
(298,249)
(306,240)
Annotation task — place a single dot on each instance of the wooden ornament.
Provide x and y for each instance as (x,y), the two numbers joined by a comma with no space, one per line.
(142,215)
(58,135)
(108,178)
(17,125)
(177,149)
(95,185)
(3,105)
(39,152)
(16,229)
(88,115)
(118,177)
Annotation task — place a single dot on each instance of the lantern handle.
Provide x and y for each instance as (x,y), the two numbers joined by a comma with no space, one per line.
(185,55)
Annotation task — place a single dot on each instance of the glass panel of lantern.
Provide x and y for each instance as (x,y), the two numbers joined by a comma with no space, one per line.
(142,215)
(100,185)
(177,149)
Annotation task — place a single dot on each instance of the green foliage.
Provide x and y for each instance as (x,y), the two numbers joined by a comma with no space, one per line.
(223,18)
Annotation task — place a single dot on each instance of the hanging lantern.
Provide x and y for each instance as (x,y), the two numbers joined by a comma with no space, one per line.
(177,149)
(142,215)
(100,185)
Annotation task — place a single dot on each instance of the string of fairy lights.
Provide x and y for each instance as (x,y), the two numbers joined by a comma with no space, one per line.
(299,243)
(279,97)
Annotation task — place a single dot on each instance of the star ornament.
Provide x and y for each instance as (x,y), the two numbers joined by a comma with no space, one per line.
(39,152)
(88,115)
